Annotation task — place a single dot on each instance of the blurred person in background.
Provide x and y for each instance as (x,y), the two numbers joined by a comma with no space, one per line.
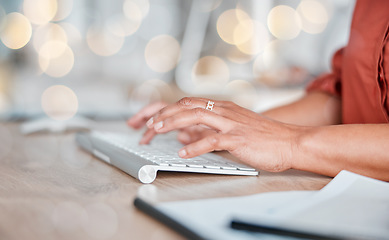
(341,122)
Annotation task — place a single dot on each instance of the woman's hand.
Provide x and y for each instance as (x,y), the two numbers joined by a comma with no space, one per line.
(186,135)
(256,140)
(139,120)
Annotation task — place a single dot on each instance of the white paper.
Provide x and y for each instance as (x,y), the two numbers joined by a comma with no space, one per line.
(350,206)
(211,217)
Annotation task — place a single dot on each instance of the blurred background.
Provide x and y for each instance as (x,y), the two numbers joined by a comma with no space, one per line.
(101,59)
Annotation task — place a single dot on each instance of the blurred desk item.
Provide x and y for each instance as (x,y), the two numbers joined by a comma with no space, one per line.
(51,189)
(96,114)
(46,124)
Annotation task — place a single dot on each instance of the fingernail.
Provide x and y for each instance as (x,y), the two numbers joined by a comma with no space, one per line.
(150,122)
(158,126)
(182,153)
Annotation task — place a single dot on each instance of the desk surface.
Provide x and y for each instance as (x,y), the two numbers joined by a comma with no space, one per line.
(51,189)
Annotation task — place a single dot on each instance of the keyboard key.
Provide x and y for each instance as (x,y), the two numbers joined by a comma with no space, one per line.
(195,165)
(212,166)
(163,152)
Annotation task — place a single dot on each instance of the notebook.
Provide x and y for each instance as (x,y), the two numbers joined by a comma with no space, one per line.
(351,206)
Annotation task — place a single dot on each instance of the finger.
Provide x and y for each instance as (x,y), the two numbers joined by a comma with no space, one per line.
(224,108)
(147,136)
(184,137)
(193,117)
(199,135)
(214,142)
(139,120)
(184,103)
(192,134)
(235,112)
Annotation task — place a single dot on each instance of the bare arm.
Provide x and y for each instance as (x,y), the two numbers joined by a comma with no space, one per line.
(314,109)
(300,135)
(360,148)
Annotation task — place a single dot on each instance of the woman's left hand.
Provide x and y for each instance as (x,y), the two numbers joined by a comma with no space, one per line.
(256,140)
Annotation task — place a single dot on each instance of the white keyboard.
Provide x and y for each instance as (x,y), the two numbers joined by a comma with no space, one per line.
(143,161)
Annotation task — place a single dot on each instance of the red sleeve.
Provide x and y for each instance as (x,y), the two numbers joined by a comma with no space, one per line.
(329,82)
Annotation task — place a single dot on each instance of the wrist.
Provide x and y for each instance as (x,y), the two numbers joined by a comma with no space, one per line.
(299,147)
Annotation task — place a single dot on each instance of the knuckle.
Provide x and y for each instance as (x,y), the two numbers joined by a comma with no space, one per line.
(186,101)
(170,121)
(213,140)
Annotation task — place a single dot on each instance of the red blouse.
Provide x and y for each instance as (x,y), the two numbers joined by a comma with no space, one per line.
(360,70)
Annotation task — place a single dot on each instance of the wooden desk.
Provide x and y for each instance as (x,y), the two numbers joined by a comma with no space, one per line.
(51,189)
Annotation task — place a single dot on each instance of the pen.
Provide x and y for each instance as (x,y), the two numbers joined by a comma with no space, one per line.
(260,228)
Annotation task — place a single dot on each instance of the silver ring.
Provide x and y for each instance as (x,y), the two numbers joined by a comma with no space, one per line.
(210,105)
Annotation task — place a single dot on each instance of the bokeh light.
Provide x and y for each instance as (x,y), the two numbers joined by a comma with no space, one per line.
(103,42)
(136,9)
(241,92)
(243,31)
(72,32)
(162,88)
(162,53)
(149,91)
(258,37)
(140,40)
(209,6)
(40,11)
(284,22)
(52,49)
(314,16)
(59,102)
(210,72)
(16,31)
(266,66)
(47,33)
(56,59)
(229,22)
(269,59)
(65,8)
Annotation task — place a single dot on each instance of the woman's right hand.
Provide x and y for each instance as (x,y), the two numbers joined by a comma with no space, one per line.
(185,135)
(139,120)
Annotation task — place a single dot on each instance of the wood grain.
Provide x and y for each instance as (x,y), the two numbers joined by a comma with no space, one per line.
(51,189)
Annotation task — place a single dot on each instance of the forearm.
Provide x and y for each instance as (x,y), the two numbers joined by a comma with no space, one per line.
(360,148)
(314,109)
